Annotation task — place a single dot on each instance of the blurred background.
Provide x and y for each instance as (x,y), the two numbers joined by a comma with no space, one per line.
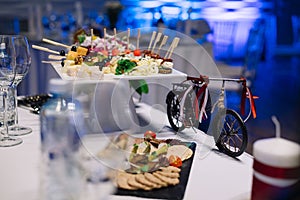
(259,39)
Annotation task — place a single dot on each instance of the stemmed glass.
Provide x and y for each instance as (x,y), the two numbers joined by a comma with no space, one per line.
(23,62)
(7,76)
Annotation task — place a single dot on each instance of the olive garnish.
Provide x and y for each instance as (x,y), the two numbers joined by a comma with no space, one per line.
(62,53)
(74,48)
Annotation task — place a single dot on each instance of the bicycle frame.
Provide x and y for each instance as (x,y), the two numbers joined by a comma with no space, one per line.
(182,90)
(197,83)
(220,103)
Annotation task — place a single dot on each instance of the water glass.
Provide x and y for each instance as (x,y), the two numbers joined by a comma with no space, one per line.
(10,107)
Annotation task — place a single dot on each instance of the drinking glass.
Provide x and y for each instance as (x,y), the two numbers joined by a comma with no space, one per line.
(23,62)
(7,76)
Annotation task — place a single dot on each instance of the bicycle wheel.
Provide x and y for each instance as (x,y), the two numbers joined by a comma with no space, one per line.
(173,111)
(230,133)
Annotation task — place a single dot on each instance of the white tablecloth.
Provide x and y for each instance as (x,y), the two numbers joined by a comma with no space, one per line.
(213,175)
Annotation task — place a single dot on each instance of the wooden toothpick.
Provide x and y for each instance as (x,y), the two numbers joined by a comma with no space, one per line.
(156,41)
(55,57)
(104,38)
(45,49)
(128,36)
(151,40)
(92,35)
(55,43)
(169,50)
(163,42)
(49,61)
(138,39)
(115,33)
(176,41)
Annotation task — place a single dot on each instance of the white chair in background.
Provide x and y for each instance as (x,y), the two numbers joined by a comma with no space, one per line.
(197,29)
(253,54)
(224,32)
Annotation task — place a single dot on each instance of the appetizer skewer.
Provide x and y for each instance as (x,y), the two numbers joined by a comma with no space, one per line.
(151,40)
(47,50)
(80,50)
(172,47)
(55,57)
(92,35)
(115,51)
(127,51)
(104,38)
(163,42)
(56,43)
(137,51)
(176,41)
(156,41)
(138,39)
(104,51)
(49,61)
(71,55)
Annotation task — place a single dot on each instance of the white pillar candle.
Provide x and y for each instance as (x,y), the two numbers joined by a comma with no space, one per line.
(277,152)
(276,166)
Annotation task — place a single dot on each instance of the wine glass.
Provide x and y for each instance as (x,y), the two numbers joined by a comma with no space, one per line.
(23,62)
(7,76)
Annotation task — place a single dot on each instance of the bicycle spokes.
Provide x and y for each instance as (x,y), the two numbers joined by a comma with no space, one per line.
(173,111)
(232,138)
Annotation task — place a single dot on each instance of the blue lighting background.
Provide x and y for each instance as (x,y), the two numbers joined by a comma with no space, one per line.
(146,13)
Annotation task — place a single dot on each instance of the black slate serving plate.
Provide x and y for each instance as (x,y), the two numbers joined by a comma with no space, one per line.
(34,102)
(170,192)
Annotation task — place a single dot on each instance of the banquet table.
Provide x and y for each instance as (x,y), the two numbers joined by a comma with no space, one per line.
(213,175)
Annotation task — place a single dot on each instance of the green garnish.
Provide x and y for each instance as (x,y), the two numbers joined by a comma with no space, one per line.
(124,66)
(81,38)
(147,149)
(135,148)
(140,86)
(145,168)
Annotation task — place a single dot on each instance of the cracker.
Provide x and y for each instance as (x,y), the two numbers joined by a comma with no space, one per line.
(170,181)
(133,183)
(142,179)
(169,174)
(154,179)
(122,178)
(170,169)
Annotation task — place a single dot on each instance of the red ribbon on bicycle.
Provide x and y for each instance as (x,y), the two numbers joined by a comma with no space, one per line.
(202,79)
(246,92)
(203,103)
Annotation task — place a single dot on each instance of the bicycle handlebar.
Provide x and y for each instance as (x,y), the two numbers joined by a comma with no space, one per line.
(207,79)
(198,79)
(245,93)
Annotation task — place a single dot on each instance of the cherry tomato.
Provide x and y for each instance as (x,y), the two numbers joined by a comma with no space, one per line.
(175,161)
(104,52)
(137,52)
(115,52)
(127,51)
(150,134)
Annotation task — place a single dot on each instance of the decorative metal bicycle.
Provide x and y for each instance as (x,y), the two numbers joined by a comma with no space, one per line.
(189,105)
